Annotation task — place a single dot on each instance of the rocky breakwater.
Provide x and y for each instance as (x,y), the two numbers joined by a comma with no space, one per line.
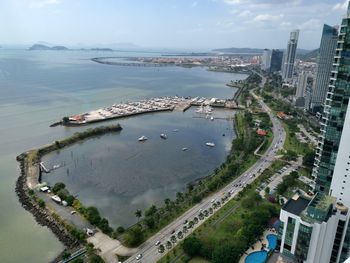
(29,179)
(41,215)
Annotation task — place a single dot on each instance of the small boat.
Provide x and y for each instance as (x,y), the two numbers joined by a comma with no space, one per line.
(184,148)
(211,118)
(163,136)
(223,134)
(142,138)
(175,130)
(56,166)
(210,144)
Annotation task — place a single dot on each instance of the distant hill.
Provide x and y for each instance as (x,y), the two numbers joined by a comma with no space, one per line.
(44,47)
(251,51)
(101,49)
(235,50)
(310,56)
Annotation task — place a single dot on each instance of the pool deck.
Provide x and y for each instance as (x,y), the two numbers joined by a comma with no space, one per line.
(257,245)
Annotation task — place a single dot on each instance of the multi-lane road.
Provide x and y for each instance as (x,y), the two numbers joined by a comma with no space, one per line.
(149,250)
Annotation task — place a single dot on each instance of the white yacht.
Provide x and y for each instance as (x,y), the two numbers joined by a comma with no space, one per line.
(163,136)
(142,138)
(184,148)
(211,118)
(210,144)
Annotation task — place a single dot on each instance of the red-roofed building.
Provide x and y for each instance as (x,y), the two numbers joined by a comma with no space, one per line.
(261,132)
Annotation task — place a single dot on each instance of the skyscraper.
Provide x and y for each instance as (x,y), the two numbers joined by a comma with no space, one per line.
(334,112)
(276,60)
(316,228)
(266,59)
(305,80)
(324,67)
(289,56)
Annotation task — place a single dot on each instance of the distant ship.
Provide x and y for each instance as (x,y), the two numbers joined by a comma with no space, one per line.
(142,138)
(211,118)
(163,136)
(210,144)
(184,149)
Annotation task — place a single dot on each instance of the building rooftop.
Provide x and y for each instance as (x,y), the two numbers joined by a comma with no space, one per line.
(296,205)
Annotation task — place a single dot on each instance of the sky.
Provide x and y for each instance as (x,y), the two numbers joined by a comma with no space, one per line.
(182,24)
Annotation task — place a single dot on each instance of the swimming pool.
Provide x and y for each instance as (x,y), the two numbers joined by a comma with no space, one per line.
(272,238)
(261,256)
(256,257)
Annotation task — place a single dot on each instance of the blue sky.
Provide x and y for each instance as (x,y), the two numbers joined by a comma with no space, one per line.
(184,24)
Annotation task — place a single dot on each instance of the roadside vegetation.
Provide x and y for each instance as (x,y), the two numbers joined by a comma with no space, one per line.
(230,231)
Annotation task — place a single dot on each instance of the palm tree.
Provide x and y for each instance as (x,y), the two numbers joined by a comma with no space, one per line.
(179,196)
(138,214)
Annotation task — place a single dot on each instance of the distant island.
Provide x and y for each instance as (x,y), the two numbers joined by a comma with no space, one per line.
(44,47)
(47,47)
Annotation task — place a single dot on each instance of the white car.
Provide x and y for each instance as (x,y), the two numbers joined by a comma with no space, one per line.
(157,243)
(139,256)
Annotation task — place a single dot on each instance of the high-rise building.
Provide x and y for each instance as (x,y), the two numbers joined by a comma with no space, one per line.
(315,228)
(334,112)
(305,80)
(324,67)
(266,59)
(289,56)
(276,60)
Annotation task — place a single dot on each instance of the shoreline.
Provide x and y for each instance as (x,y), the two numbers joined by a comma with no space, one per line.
(29,179)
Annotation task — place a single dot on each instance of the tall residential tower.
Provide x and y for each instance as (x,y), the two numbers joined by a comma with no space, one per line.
(324,67)
(289,56)
(316,228)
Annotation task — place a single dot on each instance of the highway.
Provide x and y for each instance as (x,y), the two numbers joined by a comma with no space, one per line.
(149,250)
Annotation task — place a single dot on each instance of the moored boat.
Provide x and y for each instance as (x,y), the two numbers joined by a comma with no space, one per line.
(142,138)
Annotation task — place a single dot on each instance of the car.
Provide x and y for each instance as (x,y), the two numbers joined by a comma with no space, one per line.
(213,200)
(172,231)
(73,212)
(139,256)
(185,222)
(157,243)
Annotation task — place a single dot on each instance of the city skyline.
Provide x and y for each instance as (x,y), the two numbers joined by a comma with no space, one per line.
(185,24)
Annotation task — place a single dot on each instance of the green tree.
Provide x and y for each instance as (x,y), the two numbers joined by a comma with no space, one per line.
(58,186)
(192,246)
(151,211)
(138,214)
(93,258)
(226,253)
(120,229)
(92,215)
(41,203)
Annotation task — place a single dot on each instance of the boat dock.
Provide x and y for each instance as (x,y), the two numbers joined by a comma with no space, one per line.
(43,168)
(141,107)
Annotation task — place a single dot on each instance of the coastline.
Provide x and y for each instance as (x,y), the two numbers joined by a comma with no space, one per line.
(29,179)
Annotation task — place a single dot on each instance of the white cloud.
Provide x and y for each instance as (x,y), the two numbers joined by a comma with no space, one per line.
(245,13)
(233,2)
(340,6)
(268,18)
(311,25)
(43,3)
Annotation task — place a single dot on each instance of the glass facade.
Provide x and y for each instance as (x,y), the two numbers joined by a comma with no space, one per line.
(288,240)
(303,242)
(346,246)
(334,112)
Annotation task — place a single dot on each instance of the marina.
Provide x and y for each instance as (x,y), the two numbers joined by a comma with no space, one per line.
(148,106)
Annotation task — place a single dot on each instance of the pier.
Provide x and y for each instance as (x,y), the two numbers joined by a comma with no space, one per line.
(153,105)
(43,168)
